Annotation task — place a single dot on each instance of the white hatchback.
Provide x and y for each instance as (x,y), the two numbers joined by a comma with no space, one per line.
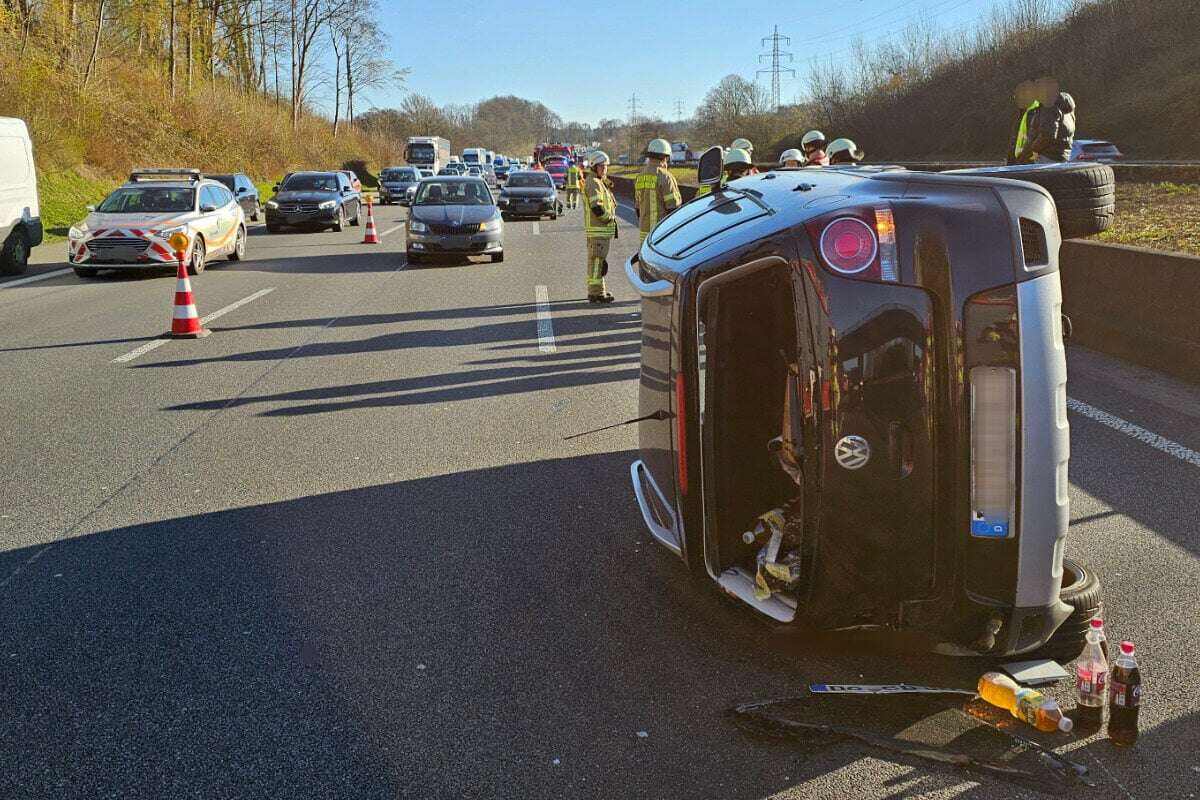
(131,228)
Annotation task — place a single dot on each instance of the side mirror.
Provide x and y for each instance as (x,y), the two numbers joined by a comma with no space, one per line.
(346,190)
(90,208)
(275,188)
(241,190)
(709,170)
(207,208)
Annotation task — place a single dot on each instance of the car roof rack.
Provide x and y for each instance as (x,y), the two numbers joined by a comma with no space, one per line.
(165,173)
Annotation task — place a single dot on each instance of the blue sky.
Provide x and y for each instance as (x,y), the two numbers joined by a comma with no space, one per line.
(468,51)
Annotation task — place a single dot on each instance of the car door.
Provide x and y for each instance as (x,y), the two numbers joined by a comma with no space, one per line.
(350,198)
(246,195)
(231,216)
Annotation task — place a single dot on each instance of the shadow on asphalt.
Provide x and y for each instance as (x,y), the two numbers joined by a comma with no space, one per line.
(497,632)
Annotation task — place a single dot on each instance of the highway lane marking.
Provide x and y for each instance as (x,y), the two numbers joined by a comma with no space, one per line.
(151,345)
(1144,436)
(545,326)
(537,228)
(35,278)
(391,230)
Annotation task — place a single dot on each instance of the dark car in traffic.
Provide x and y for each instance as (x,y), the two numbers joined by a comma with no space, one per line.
(529,194)
(853,405)
(244,190)
(394,183)
(454,216)
(314,200)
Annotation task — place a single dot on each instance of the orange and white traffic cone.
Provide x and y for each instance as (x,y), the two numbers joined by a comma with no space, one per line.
(185,322)
(370,236)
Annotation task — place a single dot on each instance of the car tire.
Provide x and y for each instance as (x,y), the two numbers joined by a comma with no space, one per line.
(1084,194)
(257,212)
(554,216)
(86,272)
(358,217)
(14,256)
(272,228)
(497,257)
(239,245)
(199,253)
(1081,590)
(340,222)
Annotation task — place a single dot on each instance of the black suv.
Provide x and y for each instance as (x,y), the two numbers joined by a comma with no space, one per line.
(314,200)
(244,190)
(853,404)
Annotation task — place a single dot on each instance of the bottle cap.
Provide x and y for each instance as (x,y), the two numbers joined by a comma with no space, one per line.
(1065,724)
(1127,647)
(1096,623)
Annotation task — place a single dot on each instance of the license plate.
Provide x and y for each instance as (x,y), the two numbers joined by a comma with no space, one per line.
(121,254)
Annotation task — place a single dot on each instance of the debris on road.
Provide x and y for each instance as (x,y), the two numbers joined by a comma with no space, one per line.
(1027,704)
(1035,673)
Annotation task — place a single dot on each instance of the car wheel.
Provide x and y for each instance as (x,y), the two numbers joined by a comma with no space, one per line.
(257,211)
(1080,590)
(14,256)
(340,222)
(358,217)
(197,264)
(86,272)
(239,245)
(272,228)
(554,216)
(1084,194)
(497,257)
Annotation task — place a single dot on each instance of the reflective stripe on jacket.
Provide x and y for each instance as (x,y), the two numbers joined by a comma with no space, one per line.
(572,178)
(656,194)
(603,226)
(1023,130)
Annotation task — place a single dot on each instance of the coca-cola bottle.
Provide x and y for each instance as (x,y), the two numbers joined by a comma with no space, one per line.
(1096,624)
(1091,681)
(1124,697)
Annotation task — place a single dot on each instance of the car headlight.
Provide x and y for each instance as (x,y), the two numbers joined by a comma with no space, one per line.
(328,204)
(165,233)
(77,231)
(271,204)
(491,225)
(417,227)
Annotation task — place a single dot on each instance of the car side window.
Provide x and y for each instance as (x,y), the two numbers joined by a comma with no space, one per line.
(206,198)
(223,195)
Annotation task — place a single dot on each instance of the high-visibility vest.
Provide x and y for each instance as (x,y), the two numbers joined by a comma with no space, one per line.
(1023,131)
(572,179)
(656,194)
(604,225)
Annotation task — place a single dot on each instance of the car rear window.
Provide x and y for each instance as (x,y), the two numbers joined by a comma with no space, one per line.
(698,222)
(1099,147)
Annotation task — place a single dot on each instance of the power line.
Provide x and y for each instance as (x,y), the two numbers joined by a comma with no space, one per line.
(775,55)
(679,109)
(633,107)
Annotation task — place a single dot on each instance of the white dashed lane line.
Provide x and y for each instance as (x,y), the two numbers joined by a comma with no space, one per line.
(545,325)
(35,278)
(391,230)
(1160,443)
(156,343)
(537,228)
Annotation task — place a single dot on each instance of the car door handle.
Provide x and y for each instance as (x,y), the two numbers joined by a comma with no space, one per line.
(900,449)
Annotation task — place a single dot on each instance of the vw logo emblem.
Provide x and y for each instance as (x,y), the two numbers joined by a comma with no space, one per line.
(852,452)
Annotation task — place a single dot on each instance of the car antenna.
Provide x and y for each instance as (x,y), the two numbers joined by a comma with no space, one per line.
(657,415)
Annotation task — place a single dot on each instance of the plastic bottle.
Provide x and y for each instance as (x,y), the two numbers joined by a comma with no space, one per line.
(1027,704)
(1091,678)
(1124,697)
(1096,624)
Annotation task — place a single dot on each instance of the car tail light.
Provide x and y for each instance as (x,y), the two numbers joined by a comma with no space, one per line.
(681,431)
(859,243)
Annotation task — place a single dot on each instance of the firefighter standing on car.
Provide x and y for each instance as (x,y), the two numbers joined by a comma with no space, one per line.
(655,190)
(599,227)
(571,185)
(813,145)
(736,164)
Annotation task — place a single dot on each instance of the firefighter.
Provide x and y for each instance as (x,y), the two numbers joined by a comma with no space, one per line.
(571,185)
(844,151)
(655,189)
(741,143)
(599,227)
(790,159)
(813,145)
(736,164)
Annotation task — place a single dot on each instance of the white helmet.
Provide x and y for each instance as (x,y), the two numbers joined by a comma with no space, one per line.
(791,155)
(736,155)
(814,138)
(599,157)
(742,144)
(845,148)
(658,147)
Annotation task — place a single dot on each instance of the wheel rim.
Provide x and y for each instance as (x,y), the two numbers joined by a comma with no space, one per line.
(240,246)
(198,258)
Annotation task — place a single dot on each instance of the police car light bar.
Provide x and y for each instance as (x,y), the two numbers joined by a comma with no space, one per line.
(165,173)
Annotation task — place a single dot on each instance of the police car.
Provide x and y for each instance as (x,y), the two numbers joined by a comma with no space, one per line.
(130,229)
(853,404)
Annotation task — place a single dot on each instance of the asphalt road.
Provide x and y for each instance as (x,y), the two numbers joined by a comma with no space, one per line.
(339,548)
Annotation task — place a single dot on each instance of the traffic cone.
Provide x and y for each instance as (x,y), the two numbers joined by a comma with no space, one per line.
(370,236)
(185,322)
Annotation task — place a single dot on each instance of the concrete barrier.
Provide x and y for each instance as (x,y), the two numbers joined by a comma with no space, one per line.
(1134,303)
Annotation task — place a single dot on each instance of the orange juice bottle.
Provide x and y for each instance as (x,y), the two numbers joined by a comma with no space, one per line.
(1028,704)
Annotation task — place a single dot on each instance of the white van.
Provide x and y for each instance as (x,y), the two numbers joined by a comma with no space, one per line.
(20,222)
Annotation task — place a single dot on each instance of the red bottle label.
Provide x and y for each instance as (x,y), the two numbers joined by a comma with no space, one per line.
(1090,683)
(1122,695)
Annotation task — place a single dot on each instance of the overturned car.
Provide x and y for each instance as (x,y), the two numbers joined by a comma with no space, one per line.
(853,404)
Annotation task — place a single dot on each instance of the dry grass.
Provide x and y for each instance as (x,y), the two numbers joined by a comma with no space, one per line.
(1163,216)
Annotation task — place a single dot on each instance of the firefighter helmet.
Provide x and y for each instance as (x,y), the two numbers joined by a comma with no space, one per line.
(599,157)
(791,155)
(742,144)
(735,156)
(812,140)
(843,150)
(658,147)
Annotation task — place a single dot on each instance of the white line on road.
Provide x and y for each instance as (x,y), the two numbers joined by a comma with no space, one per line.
(537,228)
(545,326)
(148,346)
(35,278)
(391,230)
(1135,431)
